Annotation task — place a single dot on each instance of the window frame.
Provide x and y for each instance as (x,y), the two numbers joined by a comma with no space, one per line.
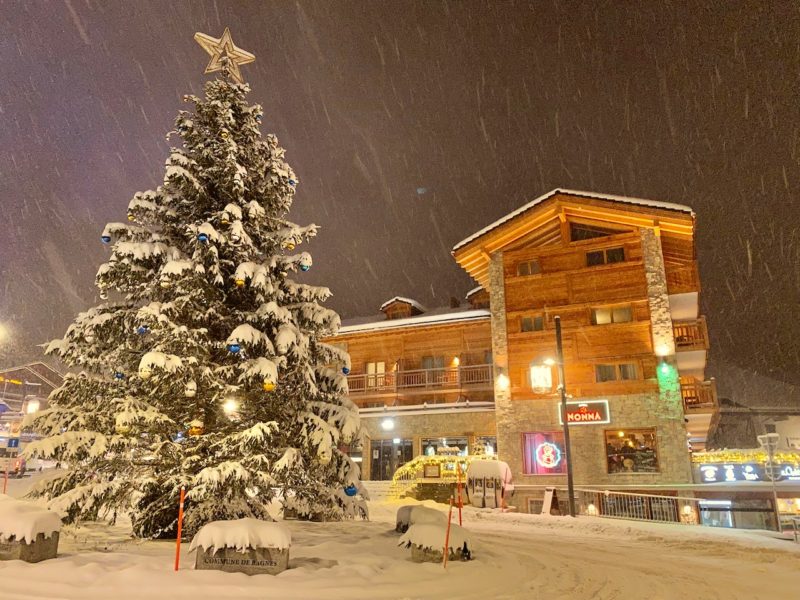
(617,366)
(528,264)
(533,320)
(609,434)
(611,308)
(603,252)
(556,437)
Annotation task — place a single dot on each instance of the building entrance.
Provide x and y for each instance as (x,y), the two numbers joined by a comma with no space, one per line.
(387,456)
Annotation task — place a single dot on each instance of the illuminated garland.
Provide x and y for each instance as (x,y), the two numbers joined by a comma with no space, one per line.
(447,466)
(739,457)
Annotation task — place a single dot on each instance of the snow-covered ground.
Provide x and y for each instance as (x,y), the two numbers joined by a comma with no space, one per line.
(516,556)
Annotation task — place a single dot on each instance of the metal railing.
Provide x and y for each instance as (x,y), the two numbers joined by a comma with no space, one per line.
(699,395)
(451,377)
(691,335)
(637,507)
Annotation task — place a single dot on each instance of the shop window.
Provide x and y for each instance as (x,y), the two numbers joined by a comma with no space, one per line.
(543,453)
(605,257)
(612,314)
(449,446)
(632,451)
(531,323)
(484,445)
(619,372)
(529,267)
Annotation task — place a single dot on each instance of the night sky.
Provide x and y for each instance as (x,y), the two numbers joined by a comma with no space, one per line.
(412,125)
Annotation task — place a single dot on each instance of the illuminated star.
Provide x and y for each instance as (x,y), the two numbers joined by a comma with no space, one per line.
(225,55)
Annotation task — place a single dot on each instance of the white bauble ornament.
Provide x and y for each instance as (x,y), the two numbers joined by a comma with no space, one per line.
(190,391)
(145,372)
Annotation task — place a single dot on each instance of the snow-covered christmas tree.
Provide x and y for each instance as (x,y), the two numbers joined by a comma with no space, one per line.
(204,367)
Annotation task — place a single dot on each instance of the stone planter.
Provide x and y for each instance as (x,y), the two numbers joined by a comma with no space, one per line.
(40,549)
(252,561)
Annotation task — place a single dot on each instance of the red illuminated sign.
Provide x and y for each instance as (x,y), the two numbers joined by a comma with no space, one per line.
(590,412)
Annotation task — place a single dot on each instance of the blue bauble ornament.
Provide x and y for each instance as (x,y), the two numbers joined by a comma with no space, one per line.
(305,267)
(119,375)
(142,329)
(351,490)
(346,370)
(106,239)
(234,348)
(202,237)
(292,182)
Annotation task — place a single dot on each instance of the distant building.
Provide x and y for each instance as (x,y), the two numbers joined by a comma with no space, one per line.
(25,388)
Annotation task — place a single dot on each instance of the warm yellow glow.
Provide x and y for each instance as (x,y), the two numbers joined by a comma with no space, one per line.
(662,350)
(456,361)
(541,378)
(549,362)
(33,406)
(502,382)
(620,434)
(230,406)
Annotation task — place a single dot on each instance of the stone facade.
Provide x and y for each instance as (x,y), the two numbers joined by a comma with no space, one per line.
(251,561)
(42,548)
(502,392)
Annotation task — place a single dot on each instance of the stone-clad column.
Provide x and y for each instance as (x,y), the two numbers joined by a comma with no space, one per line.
(673,448)
(502,389)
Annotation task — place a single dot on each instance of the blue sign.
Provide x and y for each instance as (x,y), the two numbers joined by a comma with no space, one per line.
(13,442)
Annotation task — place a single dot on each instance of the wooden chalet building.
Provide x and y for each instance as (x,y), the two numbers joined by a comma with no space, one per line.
(622,275)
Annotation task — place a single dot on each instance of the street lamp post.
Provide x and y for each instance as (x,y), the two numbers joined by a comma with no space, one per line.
(769,443)
(563,389)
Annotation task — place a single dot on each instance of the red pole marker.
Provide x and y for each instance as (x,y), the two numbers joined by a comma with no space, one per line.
(5,480)
(447,535)
(180,527)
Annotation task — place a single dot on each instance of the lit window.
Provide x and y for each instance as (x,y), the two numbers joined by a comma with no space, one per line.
(544,453)
(632,451)
(617,314)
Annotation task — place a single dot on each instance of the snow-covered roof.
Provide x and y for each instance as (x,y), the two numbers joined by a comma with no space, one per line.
(550,194)
(413,303)
(373,324)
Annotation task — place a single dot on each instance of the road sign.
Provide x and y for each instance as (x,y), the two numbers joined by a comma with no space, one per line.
(13,442)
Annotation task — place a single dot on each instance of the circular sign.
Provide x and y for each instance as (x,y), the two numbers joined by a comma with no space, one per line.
(547,455)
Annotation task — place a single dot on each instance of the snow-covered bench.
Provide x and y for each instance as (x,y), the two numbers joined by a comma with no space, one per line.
(27,532)
(426,541)
(414,514)
(245,546)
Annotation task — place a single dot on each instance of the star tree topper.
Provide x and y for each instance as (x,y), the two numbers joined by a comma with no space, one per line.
(225,55)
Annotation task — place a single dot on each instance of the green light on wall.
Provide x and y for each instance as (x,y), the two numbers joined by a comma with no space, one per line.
(668,381)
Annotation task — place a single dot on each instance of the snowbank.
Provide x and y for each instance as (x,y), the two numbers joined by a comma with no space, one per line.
(242,534)
(24,521)
(490,469)
(431,536)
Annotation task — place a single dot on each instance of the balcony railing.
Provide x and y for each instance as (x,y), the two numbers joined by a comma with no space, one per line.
(691,335)
(420,379)
(699,396)
(683,279)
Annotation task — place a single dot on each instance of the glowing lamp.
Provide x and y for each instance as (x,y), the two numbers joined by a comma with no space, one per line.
(230,406)
(387,424)
(33,406)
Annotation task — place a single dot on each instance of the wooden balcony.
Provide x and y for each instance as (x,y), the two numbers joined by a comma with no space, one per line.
(699,396)
(681,280)
(691,335)
(421,380)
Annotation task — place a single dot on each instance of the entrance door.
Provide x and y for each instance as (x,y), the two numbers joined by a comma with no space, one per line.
(388,456)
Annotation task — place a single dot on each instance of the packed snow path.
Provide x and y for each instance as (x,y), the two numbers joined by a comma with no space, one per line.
(517,556)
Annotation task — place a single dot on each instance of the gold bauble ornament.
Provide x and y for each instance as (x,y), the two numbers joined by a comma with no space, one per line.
(289,245)
(223,134)
(239,283)
(269,386)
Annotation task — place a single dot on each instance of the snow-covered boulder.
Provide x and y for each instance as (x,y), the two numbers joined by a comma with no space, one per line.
(427,541)
(27,532)
(245,546)
(412,515)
